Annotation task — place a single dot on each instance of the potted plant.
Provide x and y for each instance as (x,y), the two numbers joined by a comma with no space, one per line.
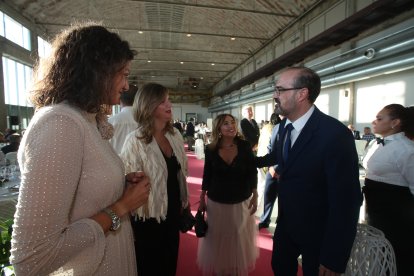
(5,246)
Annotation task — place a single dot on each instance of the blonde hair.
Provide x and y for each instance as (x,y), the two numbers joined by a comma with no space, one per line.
(147,99)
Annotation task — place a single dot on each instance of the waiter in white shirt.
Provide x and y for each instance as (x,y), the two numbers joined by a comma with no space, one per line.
(124,121)
(389,183)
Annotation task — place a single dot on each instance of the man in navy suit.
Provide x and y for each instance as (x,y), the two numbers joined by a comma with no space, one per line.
(319,190)
(249,127)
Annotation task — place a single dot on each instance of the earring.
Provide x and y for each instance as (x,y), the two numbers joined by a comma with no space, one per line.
(220,135)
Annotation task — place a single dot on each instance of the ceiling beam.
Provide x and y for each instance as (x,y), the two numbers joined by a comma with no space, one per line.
(185,61)
(192,33)
(177,70)
(215,7)
(192,50)
(45,23)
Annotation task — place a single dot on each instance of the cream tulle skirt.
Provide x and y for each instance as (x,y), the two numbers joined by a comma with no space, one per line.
(229,247)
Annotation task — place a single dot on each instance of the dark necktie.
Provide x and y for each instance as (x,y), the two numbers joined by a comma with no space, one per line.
(288,141)
(380,141)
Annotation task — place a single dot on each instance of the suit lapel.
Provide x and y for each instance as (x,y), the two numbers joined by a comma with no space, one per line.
(304,137)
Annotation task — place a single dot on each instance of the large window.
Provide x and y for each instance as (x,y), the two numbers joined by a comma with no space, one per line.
(43,47)
(17,77)
(14,31)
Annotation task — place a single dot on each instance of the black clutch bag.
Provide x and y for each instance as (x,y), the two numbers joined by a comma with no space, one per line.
(187,220)
(200,224)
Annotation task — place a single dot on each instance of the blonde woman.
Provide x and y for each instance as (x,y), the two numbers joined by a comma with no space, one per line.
(157,149)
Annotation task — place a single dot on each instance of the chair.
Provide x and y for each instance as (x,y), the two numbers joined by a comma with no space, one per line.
(11,158)
(372,254)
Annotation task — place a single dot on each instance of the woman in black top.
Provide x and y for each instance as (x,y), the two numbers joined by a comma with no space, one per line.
(230,181)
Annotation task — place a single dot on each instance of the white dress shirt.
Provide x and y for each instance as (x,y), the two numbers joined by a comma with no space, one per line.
(392,162)
(123,123)
(299,124)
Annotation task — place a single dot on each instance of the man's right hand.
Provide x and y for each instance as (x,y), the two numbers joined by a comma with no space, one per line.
(273,172)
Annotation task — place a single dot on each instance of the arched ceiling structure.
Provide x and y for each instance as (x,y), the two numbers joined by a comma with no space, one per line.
(187,45)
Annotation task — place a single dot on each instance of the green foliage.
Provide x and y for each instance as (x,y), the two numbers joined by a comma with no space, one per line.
(5,240)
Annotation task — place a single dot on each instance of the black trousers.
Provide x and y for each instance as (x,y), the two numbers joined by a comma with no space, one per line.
(156,247)
(390,208)
(286,252)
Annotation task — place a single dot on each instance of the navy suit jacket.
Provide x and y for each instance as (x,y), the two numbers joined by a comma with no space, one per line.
(319,189)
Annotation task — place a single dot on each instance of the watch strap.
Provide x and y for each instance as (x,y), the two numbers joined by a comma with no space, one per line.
(116,221)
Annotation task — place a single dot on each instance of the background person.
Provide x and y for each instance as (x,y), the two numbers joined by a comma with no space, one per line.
(177,124)
(319,190)
(2,139)
(189,134)
(270,178)
(389,183)
(73,209)
(123,122)
(355,133)
(157,149)
(229,180)
(14,143)
(368,135)
(249,128)
(8,132)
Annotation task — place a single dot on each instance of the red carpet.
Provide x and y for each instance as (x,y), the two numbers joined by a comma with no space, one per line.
(187,260)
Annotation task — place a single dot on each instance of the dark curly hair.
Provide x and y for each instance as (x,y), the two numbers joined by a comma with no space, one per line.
(81,67)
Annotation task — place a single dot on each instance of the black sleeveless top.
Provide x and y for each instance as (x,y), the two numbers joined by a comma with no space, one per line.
(173,189)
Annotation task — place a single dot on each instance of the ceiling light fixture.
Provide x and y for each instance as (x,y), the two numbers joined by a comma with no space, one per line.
(188,35)
(213,64)
(233,38)
(182,62)
(140,32)
(148,61)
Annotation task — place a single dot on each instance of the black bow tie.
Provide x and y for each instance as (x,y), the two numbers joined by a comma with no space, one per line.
(380,141)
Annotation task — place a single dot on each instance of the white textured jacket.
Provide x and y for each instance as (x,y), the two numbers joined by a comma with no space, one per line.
(138,156)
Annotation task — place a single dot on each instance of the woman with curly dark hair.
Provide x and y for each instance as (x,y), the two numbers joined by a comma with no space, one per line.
(73,211)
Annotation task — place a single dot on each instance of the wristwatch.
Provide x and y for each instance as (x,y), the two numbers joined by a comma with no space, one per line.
(116,221)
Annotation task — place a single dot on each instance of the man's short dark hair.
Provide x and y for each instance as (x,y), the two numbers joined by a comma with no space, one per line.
(127,98)
(309,79)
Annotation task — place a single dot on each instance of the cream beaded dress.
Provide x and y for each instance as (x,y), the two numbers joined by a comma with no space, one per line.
(69,173)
